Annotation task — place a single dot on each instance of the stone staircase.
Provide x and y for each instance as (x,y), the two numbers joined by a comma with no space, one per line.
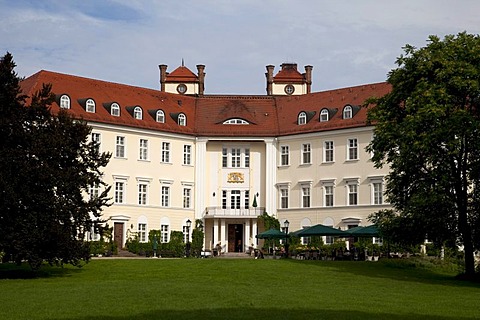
(234,255)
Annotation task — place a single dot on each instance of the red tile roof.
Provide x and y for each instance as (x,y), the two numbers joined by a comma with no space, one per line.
(288,75)
(268,115)
(181,74)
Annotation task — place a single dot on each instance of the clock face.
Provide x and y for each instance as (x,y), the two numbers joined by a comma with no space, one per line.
(289,89)
(182,88)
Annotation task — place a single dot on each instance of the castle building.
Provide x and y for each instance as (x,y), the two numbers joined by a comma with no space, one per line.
(179,154)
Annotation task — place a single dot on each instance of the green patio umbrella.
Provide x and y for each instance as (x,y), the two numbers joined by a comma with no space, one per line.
(369,231)
(320,230)
(272,234)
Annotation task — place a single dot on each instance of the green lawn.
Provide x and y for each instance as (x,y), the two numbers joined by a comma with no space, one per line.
(235,289)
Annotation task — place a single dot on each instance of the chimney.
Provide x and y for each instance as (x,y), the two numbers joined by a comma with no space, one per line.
(308,78)
(163,76)
(269,76)
(201,78)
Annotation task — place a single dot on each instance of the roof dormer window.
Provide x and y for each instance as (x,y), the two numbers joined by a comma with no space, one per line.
(160,116)
(324,116)
(347,112)
(115,110)
(137,113)
(65,101)
(236,121)
(182,120)
(90,106)
(302,118)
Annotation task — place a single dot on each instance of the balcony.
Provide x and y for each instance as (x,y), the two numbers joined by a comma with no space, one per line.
(218,212)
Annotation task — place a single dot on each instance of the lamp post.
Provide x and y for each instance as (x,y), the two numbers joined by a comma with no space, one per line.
(286,224)
(189,224)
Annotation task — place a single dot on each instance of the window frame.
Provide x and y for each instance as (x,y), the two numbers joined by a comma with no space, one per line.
(166,152)
(324,115)
(302,118)
(187,198)
(90,105)
(142,189)
(285,155)
(187,154)
(120,146)
(182,120)
(306,153)
(143,149)
(65,101)
(352,149)
(306,196)
(142,232)
(120,192)
(115,109)
(138,113)
(160,116)
(165,196)
(328,151)
(284,197)
(347,112)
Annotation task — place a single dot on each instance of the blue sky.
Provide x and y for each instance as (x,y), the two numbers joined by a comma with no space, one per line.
(347,42)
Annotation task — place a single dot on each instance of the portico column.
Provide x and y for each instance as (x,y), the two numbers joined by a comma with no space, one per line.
(247,234)
(223,239)
(254,232)
(215,233)
(200,176)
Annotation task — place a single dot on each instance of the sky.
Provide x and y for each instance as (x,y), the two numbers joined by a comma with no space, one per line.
(348,43)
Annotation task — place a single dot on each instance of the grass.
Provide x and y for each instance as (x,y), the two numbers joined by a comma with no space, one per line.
(236,289)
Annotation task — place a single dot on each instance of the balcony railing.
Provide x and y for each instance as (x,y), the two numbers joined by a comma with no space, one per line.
(216,212)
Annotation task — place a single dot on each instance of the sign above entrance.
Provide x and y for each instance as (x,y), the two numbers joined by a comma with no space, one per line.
(235,177)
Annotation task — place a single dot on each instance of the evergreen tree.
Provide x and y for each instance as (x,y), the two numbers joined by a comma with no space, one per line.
(47,166)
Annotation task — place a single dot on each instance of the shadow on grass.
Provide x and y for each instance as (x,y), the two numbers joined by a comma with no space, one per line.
(255,313)
(399,270)
(13,271)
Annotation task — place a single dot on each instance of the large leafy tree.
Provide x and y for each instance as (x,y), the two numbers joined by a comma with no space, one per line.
(47,165)
(428,132)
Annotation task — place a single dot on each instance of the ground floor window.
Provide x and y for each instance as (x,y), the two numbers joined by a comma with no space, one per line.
(164,233)
(142,232)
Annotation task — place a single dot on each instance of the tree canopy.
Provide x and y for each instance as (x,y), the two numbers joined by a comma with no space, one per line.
(427,130)
(48,165)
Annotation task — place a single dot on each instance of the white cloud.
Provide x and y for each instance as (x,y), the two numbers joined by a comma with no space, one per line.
(347,42)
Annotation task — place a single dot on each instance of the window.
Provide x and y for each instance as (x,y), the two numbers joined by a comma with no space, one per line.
(182,120)
(306,153)
(224,199)
(143,150)
(324,115)
(352,194)
(224,158)
(119,192)
(90,106)
(289,89)
(65,102)
(137,113)
(115,110)
(352,149)
(164,233)
(142,194)
(328,194)
(187,154)
(235,199)
(284,155)
(284,198)
(246,158)
(247,199)
(377,192)
(94,191)
(160,116)
(328,151)
(236,156)
(347,112)
(187,198)
(305,196)
(166,152)
(142,232)
(96,139)
(302,118)
(185,234)
(165,196)
(120,147)
(235,121)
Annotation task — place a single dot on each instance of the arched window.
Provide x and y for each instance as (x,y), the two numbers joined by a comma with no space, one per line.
(324,115)
(182,120)
(115,110)
(90,106)
(65,102)
(347,112)
(137,113)
(302,118)
(235,121)
(160,116)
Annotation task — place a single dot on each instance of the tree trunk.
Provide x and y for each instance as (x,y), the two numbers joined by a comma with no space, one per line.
(466,233)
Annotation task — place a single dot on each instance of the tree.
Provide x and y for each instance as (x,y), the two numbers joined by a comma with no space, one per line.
(197,238)
(427,129)
(47,166)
